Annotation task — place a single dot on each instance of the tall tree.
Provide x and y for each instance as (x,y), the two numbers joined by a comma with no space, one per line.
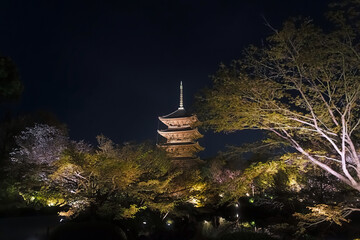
(10,85)
(32,160)
(303,86)
(41,144)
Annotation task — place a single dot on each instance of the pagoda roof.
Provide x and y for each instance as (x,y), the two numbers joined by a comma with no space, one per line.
(168,132)
(189,144)
(186,129)
(179,113)
(187,159)
(181,144)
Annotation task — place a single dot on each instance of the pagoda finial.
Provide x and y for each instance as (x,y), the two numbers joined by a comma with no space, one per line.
(181,96)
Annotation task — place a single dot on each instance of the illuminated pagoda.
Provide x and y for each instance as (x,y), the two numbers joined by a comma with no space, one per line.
(181,135)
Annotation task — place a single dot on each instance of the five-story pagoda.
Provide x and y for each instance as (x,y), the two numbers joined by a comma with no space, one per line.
(181,135)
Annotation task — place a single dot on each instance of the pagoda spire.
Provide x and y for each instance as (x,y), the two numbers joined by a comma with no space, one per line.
(181,96)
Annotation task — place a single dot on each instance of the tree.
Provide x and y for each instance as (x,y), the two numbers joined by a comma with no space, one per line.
(41,144)
(10,85)
(10,88)
(303,86)
(110,180)
(32,161)
(115,181)
(13,126)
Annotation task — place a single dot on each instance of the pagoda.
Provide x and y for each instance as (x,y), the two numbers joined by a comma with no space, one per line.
(181,135)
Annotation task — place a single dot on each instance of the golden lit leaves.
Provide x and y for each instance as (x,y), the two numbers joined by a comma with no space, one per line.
(67,214)
(131,211)
(302,85)
(322,212)
(288,171)
(125,178)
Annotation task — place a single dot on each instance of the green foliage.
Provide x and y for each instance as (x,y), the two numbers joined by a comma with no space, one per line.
(131,211)
(280,174)
(9,193)
(303,86)
(264,89)
(43,197)
(120,181)
(323,212)
(20,176)
(131,177)
(110,180)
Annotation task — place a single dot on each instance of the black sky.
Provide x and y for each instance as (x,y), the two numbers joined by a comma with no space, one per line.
(112,67)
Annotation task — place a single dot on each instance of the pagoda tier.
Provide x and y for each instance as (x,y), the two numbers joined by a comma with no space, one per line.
(181,135)
(184,150)
(179,119)
(187,162)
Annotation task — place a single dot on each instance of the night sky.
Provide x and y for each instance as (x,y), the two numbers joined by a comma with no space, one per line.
(113,67)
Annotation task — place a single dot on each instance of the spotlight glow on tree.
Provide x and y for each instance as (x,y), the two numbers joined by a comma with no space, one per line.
(303,86)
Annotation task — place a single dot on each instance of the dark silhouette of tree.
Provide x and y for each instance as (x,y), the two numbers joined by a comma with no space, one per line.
(10,84)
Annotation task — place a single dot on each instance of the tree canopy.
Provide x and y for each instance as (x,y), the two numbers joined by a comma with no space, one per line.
(302,85)
(10,85)
(115,181)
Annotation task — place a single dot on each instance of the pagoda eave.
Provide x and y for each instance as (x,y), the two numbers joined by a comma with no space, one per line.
(179,121)
(196,146)
(192,133)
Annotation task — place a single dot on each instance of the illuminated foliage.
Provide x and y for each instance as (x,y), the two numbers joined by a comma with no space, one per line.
(117,179)
(41,144)
(43,197)
(131,211)
(120,181)
(302,86)
(284,173)
(32,161)
(110,180)
(322,212)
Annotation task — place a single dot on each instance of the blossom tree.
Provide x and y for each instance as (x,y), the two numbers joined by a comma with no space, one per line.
(41,144)
(32,162)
